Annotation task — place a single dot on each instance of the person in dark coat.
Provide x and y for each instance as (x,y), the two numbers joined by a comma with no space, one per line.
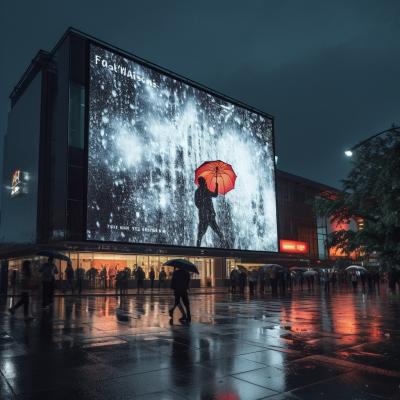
(234,279)
(203,200)
(376,278)
(162,277)
(363,280)
(48,271)
(26,286)
(180,284)
(119,286)
(242,281)
(140,275)
(69,274)
(152,276)
(261,274)
(273,277)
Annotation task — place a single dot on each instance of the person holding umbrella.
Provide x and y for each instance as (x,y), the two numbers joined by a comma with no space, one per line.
(26,286)
(212,178)
(180,284)
(203,200)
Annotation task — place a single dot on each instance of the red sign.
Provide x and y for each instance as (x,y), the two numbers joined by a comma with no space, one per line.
(291,246)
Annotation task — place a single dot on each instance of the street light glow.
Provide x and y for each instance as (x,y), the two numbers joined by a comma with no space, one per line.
(348,153)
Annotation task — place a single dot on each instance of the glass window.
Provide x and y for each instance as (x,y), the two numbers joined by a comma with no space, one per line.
(155,263)
(143,261)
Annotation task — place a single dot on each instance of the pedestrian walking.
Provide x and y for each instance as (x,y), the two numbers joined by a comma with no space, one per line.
(261,280)
(234,279)
(301,281)
(119,283)
(162,277)
(376,279)
(140,278)
(26,286)
(152,276)
(363,280)
(326,280)
(111,275)
(48,271)
(253,278)
(273,278)
(312,280)
(125,280)
(80,275)
(13,280)
(281,281)
(242,281)
(354,280)
(103,277)
(370,281)
(69,275)
(180,284)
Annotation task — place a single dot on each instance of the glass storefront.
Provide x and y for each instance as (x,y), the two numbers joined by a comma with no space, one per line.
(99,270)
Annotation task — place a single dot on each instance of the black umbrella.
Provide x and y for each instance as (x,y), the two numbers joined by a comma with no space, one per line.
(53,254)
(181,263)
(274,267)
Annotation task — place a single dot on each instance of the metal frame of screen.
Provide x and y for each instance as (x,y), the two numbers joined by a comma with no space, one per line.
(202,251)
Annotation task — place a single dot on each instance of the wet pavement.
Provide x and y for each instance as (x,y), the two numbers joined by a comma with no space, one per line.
(304,345)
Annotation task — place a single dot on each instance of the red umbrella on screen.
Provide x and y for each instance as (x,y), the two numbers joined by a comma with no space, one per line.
(216,171)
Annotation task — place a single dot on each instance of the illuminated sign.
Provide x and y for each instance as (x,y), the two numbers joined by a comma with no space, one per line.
(19,183)
(292,246)
(170,163)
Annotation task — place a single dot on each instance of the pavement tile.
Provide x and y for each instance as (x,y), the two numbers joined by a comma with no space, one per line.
(299,346)
(223,388)
(353,385)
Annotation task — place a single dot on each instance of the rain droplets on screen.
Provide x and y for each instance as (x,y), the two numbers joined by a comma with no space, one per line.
(148,134)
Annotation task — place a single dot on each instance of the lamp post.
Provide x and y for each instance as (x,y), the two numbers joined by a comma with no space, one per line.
(349,152)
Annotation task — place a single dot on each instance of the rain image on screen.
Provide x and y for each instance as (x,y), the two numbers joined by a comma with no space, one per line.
(172,164)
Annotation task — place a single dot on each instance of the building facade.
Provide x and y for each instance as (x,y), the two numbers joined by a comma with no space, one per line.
(45,176)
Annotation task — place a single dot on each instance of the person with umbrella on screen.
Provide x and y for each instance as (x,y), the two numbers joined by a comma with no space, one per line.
(212,178)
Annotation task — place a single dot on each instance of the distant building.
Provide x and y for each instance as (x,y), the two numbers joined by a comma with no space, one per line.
(44,198)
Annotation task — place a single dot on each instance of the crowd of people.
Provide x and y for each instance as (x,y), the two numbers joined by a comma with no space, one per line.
(281,280)
(180,282)
(277,280)
(114,277)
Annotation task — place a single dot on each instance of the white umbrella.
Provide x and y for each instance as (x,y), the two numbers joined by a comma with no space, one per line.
(310,273)
(357,268)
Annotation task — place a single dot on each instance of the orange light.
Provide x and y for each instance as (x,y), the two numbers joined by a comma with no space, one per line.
(291,246)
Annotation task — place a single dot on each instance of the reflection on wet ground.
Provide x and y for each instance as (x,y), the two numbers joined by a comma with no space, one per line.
(302,346)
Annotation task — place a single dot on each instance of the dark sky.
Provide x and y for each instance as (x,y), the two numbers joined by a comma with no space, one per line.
(329,71)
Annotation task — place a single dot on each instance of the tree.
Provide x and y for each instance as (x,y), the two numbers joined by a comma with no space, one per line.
(371,192)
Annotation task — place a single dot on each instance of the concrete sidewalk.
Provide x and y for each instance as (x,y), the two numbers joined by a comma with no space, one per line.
(301,346)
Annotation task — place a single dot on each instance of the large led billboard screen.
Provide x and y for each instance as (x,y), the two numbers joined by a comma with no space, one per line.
(170,163)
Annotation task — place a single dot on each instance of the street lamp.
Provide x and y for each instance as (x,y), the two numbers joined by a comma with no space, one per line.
(350,152)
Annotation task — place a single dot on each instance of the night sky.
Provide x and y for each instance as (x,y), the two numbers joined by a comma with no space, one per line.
(328,71)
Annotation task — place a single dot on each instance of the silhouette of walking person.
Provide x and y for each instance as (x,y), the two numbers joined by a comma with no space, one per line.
(203,200)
